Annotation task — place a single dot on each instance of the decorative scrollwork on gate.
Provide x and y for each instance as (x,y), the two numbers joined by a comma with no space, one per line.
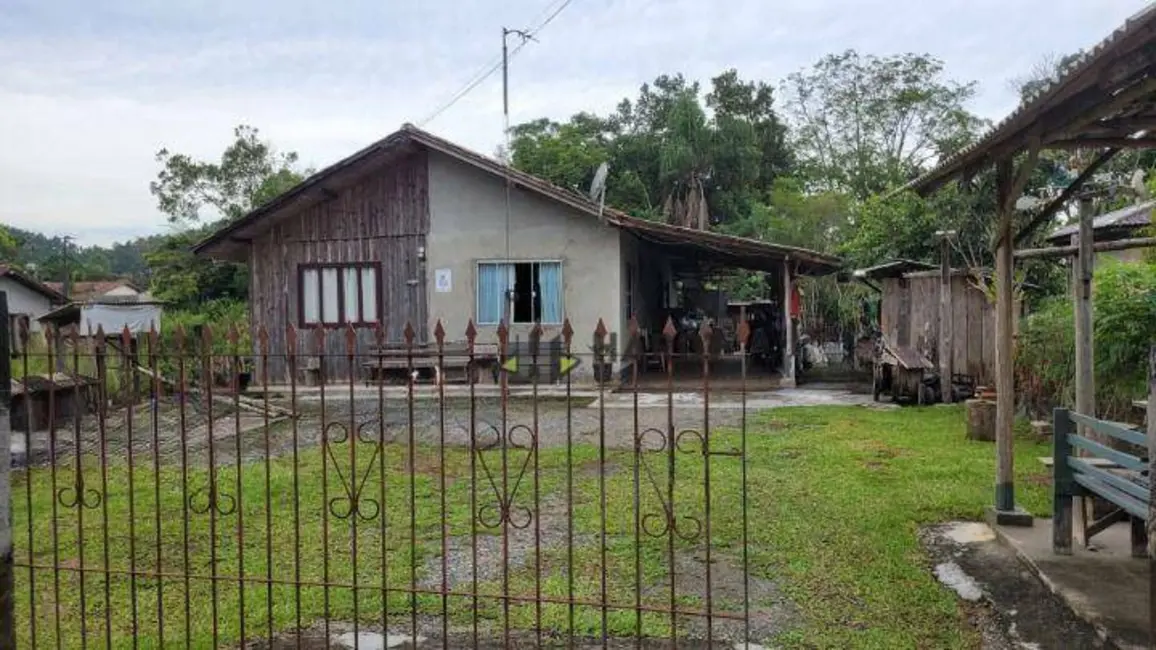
(77,495)
(659,524)
(519,437)
(354,502)
(214,499)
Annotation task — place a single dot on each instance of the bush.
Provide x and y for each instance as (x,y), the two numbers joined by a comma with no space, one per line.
(1124,326)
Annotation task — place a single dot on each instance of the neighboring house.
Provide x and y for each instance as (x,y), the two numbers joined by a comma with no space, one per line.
(28,300)
(99,290)
(413,229)
(1125,223)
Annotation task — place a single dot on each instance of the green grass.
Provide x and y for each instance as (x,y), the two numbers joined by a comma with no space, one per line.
(835,498)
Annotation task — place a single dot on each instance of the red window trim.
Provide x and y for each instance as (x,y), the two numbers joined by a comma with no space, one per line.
(340,267)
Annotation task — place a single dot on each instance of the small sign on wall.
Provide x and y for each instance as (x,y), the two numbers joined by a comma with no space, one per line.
(443,280)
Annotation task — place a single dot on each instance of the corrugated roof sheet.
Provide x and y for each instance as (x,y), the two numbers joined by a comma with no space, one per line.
(1028,109)
(1133,216)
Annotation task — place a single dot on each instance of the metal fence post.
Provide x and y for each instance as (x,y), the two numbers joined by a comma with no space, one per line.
(7,579)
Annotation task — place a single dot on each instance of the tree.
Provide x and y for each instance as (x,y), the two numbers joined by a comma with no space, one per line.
(864,124)
(251,171)
(671,155)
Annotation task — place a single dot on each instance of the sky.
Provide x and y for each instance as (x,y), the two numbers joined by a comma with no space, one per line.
(90,91)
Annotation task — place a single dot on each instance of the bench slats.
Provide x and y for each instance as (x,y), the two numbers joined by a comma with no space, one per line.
(1119,483)
(1134,507)
(1114,429)
(1126,461)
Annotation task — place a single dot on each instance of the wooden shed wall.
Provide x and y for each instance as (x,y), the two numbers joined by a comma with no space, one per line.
(382,217)
(909,315)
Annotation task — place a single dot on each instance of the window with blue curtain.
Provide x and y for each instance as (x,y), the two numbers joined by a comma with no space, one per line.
(492,285)
(533,291)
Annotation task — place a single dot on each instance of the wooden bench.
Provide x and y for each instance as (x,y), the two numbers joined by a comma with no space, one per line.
(454,359)
(1125,484)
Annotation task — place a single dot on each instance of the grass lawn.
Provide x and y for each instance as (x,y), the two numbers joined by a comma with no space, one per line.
(835,498)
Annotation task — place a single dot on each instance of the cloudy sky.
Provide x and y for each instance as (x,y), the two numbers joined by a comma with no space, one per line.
(89,91)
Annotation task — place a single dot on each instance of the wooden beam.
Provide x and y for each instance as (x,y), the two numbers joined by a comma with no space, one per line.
(1066,195)
(788,378)
(1005,327)
(1023,172)
(945,322)
(1151,413)
(1096,143)
(1099,247)
(1082,296)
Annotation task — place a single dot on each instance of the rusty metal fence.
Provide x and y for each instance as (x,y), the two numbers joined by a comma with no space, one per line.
(163,496)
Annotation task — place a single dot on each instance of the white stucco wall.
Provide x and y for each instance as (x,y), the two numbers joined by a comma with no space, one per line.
(468,225)
(22,300)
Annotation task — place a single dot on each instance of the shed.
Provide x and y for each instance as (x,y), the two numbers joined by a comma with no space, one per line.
(42,402)
(909,315)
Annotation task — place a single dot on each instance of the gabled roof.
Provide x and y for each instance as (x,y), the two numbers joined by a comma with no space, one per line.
(747,253)
(1129,218)
(82,291)
(30,282)
(893,269)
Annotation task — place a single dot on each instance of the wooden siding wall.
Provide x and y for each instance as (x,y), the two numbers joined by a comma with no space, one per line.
(909,315)
(383,217)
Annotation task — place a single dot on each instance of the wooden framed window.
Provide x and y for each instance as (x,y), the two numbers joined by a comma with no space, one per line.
(333,295)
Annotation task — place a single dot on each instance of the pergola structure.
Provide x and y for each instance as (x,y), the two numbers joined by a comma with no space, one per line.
(1104,102)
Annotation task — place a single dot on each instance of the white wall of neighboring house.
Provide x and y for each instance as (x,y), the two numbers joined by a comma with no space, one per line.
(22,300)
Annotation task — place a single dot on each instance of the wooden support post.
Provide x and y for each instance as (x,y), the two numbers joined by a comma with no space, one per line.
(946,349)
(788,379)
(1005,511)
(1151,424)
(1062,483)
(7,577)
(1082,295)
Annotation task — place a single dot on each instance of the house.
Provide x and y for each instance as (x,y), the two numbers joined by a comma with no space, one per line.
(28,300)
(1125,223)
(415,229)
(99,290)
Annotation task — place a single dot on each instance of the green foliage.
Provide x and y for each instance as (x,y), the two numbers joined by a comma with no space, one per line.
(249,173)
(1124,320)
(667,145)
(864,123)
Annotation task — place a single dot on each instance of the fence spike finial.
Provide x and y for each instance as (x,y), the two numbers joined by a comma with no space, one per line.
(439,333)
(503,333)
(379,334)
(263,340)
(743,334)
(669,330)
(291,339)
(125,337)
(207,336)
(471,333)
(350,340)
(409,334)
(567,332)
(99,339)
(179,338)
(600,329)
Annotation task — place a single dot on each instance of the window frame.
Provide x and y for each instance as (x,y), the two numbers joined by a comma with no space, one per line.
(509,264)
(340,267)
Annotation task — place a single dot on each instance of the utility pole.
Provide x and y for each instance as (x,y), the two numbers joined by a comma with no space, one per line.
(507,310)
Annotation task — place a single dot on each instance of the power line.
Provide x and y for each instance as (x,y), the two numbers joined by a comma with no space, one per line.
(496,64)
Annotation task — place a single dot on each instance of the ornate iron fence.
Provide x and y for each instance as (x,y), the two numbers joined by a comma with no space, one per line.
(166,509)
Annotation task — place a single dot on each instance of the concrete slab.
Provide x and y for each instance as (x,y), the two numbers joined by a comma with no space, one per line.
(1103,584)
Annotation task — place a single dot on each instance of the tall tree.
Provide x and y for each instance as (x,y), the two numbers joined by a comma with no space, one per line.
(864,123)
(249,173)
